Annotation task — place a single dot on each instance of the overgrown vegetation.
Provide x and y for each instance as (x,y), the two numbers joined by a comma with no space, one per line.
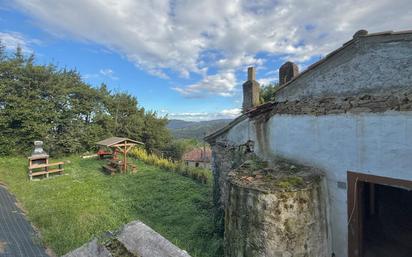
(42,102)
(267,92)
(201,175)
(71,209)
(178,147)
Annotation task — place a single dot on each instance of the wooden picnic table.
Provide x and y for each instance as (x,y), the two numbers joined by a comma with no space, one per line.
(114,166)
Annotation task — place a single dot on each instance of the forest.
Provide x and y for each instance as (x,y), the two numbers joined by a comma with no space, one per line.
(44,102)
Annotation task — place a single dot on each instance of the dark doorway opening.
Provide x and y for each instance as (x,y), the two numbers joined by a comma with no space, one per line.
(380,216)
(388,221)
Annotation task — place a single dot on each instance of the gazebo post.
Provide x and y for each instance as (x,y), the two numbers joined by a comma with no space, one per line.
(124,157)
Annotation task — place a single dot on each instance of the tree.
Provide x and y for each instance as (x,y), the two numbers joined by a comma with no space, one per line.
(128,118)
(42,102)
(155,133)
(177,148)
(267,92)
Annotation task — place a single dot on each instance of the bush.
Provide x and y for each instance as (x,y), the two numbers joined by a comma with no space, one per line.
(201,175)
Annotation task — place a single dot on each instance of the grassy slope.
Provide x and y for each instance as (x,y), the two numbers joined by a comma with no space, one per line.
(71,209)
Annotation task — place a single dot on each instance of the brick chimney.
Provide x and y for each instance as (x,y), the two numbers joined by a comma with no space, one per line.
(287,72)
(251,90)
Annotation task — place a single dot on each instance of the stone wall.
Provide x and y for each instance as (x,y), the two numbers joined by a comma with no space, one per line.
(395,100)
(379,63)
(225,157)
(276,213)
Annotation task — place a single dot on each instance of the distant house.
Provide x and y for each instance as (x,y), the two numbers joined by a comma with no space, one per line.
(199,157)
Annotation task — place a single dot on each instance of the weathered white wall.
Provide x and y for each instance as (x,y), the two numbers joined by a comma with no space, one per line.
(372,143)
(378,144)
(205,165)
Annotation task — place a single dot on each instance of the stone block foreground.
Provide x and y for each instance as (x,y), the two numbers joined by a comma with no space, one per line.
(136,239)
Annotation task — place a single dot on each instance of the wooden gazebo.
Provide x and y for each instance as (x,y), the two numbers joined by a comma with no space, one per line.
(122,144)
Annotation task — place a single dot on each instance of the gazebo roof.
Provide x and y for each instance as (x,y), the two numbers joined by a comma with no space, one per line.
(118,140)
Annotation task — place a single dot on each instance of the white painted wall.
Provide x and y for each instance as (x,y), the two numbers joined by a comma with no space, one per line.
(205,165)
(378,144)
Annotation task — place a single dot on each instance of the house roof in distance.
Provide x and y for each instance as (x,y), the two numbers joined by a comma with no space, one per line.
(198,155)
(117,140)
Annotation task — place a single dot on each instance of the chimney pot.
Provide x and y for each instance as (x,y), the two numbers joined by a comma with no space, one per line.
(251,74)
(287,72)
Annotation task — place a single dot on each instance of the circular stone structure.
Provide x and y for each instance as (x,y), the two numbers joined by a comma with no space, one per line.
(275,212)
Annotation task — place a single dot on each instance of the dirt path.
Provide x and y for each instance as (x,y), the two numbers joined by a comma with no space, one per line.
(17,237)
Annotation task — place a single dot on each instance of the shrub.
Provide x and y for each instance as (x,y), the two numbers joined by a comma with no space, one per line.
(201,175)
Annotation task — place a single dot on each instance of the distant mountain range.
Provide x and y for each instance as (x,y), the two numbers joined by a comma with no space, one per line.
(195,129)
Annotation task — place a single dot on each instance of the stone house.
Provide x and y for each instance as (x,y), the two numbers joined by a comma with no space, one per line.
(198,157)
(325,169)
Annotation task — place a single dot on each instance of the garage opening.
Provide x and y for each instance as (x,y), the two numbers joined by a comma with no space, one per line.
(380,216)
(388,221)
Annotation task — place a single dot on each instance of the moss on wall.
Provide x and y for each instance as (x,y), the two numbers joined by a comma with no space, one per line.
(275,211)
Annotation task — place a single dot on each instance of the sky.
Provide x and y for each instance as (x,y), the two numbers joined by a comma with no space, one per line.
(187,59)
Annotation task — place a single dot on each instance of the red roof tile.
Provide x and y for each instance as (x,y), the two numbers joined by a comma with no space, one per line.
(198,155)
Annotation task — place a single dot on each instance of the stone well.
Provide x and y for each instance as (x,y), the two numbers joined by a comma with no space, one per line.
(275,212)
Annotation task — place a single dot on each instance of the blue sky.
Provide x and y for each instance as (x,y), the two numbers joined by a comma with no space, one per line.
(188,59)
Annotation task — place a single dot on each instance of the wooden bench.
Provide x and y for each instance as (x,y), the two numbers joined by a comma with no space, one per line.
(43,169)
(112,166)
(110,169)
(132,167)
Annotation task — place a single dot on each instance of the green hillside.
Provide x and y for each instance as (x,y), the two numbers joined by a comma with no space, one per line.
(195,129)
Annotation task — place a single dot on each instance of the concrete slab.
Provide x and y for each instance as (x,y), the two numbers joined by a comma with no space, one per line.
(91,249)
(143,241)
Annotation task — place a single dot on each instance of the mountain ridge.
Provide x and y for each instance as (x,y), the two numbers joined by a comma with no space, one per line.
(195,129)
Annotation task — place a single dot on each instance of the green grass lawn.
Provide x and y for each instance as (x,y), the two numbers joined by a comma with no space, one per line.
(71,209)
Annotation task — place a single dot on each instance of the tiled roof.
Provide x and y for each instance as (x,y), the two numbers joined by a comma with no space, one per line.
(198,155)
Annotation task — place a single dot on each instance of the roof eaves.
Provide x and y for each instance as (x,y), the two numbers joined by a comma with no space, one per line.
(219,132)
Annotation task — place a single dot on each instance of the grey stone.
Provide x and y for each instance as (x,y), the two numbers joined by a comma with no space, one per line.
(143,241)
(287,72)
(91,249)
(275,216)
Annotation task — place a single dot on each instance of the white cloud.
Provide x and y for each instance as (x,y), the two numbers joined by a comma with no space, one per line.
(193,36)
(231,112)
(268,80)
(108,73)
(13,39)
(222,84)
(103,73)
(198,116)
